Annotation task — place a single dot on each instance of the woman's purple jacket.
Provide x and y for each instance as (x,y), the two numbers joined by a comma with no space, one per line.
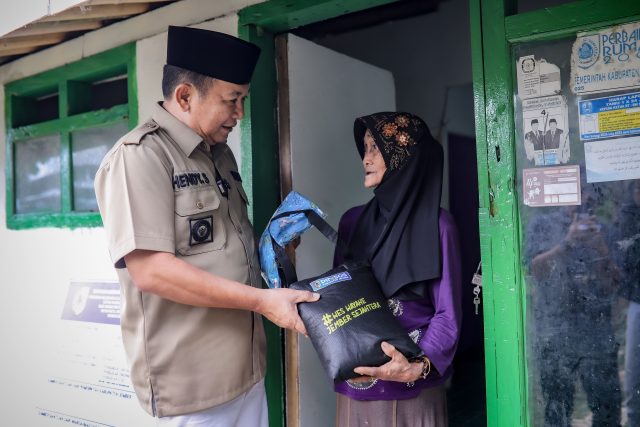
(433,322)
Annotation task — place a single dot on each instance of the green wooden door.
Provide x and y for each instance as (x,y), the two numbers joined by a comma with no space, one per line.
(556,296)
(260,24)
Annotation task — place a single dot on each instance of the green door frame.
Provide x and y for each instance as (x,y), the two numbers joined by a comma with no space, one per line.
(260,24)
(495,27)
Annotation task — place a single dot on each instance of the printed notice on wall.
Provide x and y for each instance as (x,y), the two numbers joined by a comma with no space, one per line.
(546,140)
(612,159)
(606,60)
(610,117)
(87,379)
(551,186)
(536,77)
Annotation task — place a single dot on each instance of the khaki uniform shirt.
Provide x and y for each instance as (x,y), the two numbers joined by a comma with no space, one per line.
(157,190)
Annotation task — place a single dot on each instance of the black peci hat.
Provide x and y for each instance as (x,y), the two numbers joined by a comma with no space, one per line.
(212,54)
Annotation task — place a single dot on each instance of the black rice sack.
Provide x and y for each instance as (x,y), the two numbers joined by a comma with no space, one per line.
(350,321)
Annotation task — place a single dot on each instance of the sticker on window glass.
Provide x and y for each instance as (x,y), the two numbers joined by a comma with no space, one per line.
(612,159)
(610,117)
(606,60)
(551,186)
(537,77)
(546,139)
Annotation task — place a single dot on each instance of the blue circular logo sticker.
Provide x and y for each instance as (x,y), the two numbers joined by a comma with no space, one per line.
(588,51)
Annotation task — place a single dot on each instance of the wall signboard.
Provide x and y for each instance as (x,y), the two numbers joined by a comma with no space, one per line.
(86,378)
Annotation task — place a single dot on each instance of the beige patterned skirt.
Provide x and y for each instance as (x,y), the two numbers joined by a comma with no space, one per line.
(428,409)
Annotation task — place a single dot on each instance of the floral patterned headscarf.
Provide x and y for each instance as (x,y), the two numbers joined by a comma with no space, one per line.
(396,135)
(398,231)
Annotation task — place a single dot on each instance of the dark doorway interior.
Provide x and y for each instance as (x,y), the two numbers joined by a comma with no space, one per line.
(467,397)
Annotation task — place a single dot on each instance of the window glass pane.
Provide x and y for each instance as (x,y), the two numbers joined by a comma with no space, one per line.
(37,175)
(578,161)
(89,147)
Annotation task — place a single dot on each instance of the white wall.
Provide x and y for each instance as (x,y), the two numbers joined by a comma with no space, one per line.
(326,91)
(37,265)
(427,55)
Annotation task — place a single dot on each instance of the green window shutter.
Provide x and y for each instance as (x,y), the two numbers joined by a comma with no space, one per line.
(79,111)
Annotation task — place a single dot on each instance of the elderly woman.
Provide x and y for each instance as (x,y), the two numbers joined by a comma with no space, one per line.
(412,246)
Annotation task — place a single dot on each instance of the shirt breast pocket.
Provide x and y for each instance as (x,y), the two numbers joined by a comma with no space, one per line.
(199,226)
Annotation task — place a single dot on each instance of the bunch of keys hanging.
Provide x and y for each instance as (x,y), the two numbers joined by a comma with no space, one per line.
(477,281)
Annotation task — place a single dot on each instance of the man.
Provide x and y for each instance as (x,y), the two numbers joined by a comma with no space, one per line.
(175,214)
(535,135)
(552,137)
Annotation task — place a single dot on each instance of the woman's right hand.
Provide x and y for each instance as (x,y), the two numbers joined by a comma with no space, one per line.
(397,369)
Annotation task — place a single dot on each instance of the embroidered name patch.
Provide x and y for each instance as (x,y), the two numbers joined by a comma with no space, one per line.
(318,284)
(190,179)
(201,231)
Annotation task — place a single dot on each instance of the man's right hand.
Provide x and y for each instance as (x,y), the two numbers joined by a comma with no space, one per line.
(279,306)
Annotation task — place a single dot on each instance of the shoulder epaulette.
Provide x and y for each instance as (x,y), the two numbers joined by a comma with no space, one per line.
(136,135)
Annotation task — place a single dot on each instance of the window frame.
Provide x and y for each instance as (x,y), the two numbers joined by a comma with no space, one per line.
(104,65)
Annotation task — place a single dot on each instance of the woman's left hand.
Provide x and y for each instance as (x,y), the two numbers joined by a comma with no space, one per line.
(397,369)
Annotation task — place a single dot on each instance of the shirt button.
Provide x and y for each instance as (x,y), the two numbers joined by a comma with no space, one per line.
(199,204)
(239,229)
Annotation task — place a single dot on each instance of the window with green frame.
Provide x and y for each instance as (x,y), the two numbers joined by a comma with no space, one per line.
(60,124)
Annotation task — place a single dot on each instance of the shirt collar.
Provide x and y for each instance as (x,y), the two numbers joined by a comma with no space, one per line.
(182,134)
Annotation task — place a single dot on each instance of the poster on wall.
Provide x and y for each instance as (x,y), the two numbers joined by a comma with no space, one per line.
(551,186)
(612,159)
(609,117)
(86,375)
(606,60)
(537,77)
(545,135)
